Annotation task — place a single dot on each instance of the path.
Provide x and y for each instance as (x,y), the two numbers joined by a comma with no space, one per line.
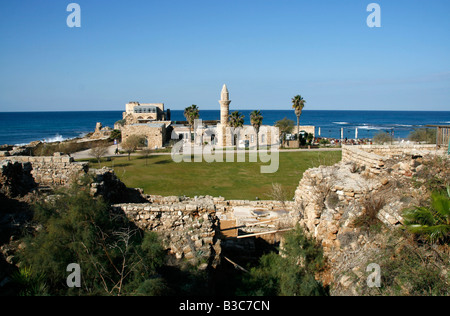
(85,154)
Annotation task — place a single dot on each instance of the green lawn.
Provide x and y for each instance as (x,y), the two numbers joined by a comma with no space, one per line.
(162,176)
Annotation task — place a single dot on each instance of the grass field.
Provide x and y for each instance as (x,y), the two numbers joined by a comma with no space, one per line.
(162,176)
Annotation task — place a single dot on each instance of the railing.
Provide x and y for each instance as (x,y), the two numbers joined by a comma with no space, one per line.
(442,136)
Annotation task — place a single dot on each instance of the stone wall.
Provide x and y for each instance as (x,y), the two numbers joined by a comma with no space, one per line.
(56,170)
(191,228)
(374,157)
(188,231)
(154,133)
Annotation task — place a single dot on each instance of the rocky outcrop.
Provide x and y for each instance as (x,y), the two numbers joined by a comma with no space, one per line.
(349,210)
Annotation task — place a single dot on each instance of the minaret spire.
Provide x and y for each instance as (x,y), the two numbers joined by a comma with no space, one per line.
(225,95)
(224,105)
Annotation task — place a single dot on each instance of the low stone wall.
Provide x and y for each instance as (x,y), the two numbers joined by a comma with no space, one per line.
(187,231)
(56,170)
(374,157)
(190,228)
(360,157)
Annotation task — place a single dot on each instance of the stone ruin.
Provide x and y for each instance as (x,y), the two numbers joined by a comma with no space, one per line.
(200,230)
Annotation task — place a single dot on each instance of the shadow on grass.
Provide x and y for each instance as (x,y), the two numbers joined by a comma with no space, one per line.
(163,162)
(143,157)
(124,164)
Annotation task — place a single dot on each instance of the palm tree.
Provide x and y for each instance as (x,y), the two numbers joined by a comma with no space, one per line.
(191,113)
(433,222)
(297,104)
(235,120)
(285,126)
(256,120)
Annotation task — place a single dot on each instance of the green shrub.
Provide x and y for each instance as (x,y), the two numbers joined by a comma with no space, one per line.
(382,138)
(423,135)
(115,256)
(290,273)
(432,222)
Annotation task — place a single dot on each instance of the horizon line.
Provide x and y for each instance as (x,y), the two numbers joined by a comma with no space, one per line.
(305,110)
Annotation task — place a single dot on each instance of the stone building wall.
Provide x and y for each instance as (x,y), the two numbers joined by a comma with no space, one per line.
(56,170)
(155,133)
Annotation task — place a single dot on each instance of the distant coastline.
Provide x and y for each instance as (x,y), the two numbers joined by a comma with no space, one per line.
(24,127)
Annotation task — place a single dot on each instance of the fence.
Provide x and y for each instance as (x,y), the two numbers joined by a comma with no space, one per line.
(442,136)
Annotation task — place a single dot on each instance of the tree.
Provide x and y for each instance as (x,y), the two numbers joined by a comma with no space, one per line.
(236,120)
(147,152)
(285,126)
(431,222)
(132,143)
(297,104)
(191,113)
(256,120)
(99,151)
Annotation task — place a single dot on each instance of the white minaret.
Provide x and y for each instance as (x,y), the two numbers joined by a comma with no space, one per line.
(224,105)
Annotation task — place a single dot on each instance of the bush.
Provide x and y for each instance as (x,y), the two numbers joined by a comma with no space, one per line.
(423,135)
(382,138)
(369,217)
(432,222)
(114,255)
(408,269)
(290,273)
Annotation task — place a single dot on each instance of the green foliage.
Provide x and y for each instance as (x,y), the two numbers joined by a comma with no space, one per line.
(236,119)
(121,122)
(408,269)
(435,174)
(290,273)
(115,134)
(132,143)
(382,138)
(285,126)
(28,283)
(256,119)
(427,135)
(298,103)
(115,256)
(324,141)
(431,222)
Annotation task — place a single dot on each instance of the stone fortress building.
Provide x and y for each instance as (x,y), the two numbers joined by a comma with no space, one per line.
(148,120)
(153,122)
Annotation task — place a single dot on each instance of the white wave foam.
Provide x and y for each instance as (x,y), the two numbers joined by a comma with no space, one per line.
(57,138)
(341,123)
(370,127)
(21,144)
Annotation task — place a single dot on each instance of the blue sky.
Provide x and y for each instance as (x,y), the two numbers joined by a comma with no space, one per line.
(266,51)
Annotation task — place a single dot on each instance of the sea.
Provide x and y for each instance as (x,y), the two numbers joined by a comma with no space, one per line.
(19,128)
